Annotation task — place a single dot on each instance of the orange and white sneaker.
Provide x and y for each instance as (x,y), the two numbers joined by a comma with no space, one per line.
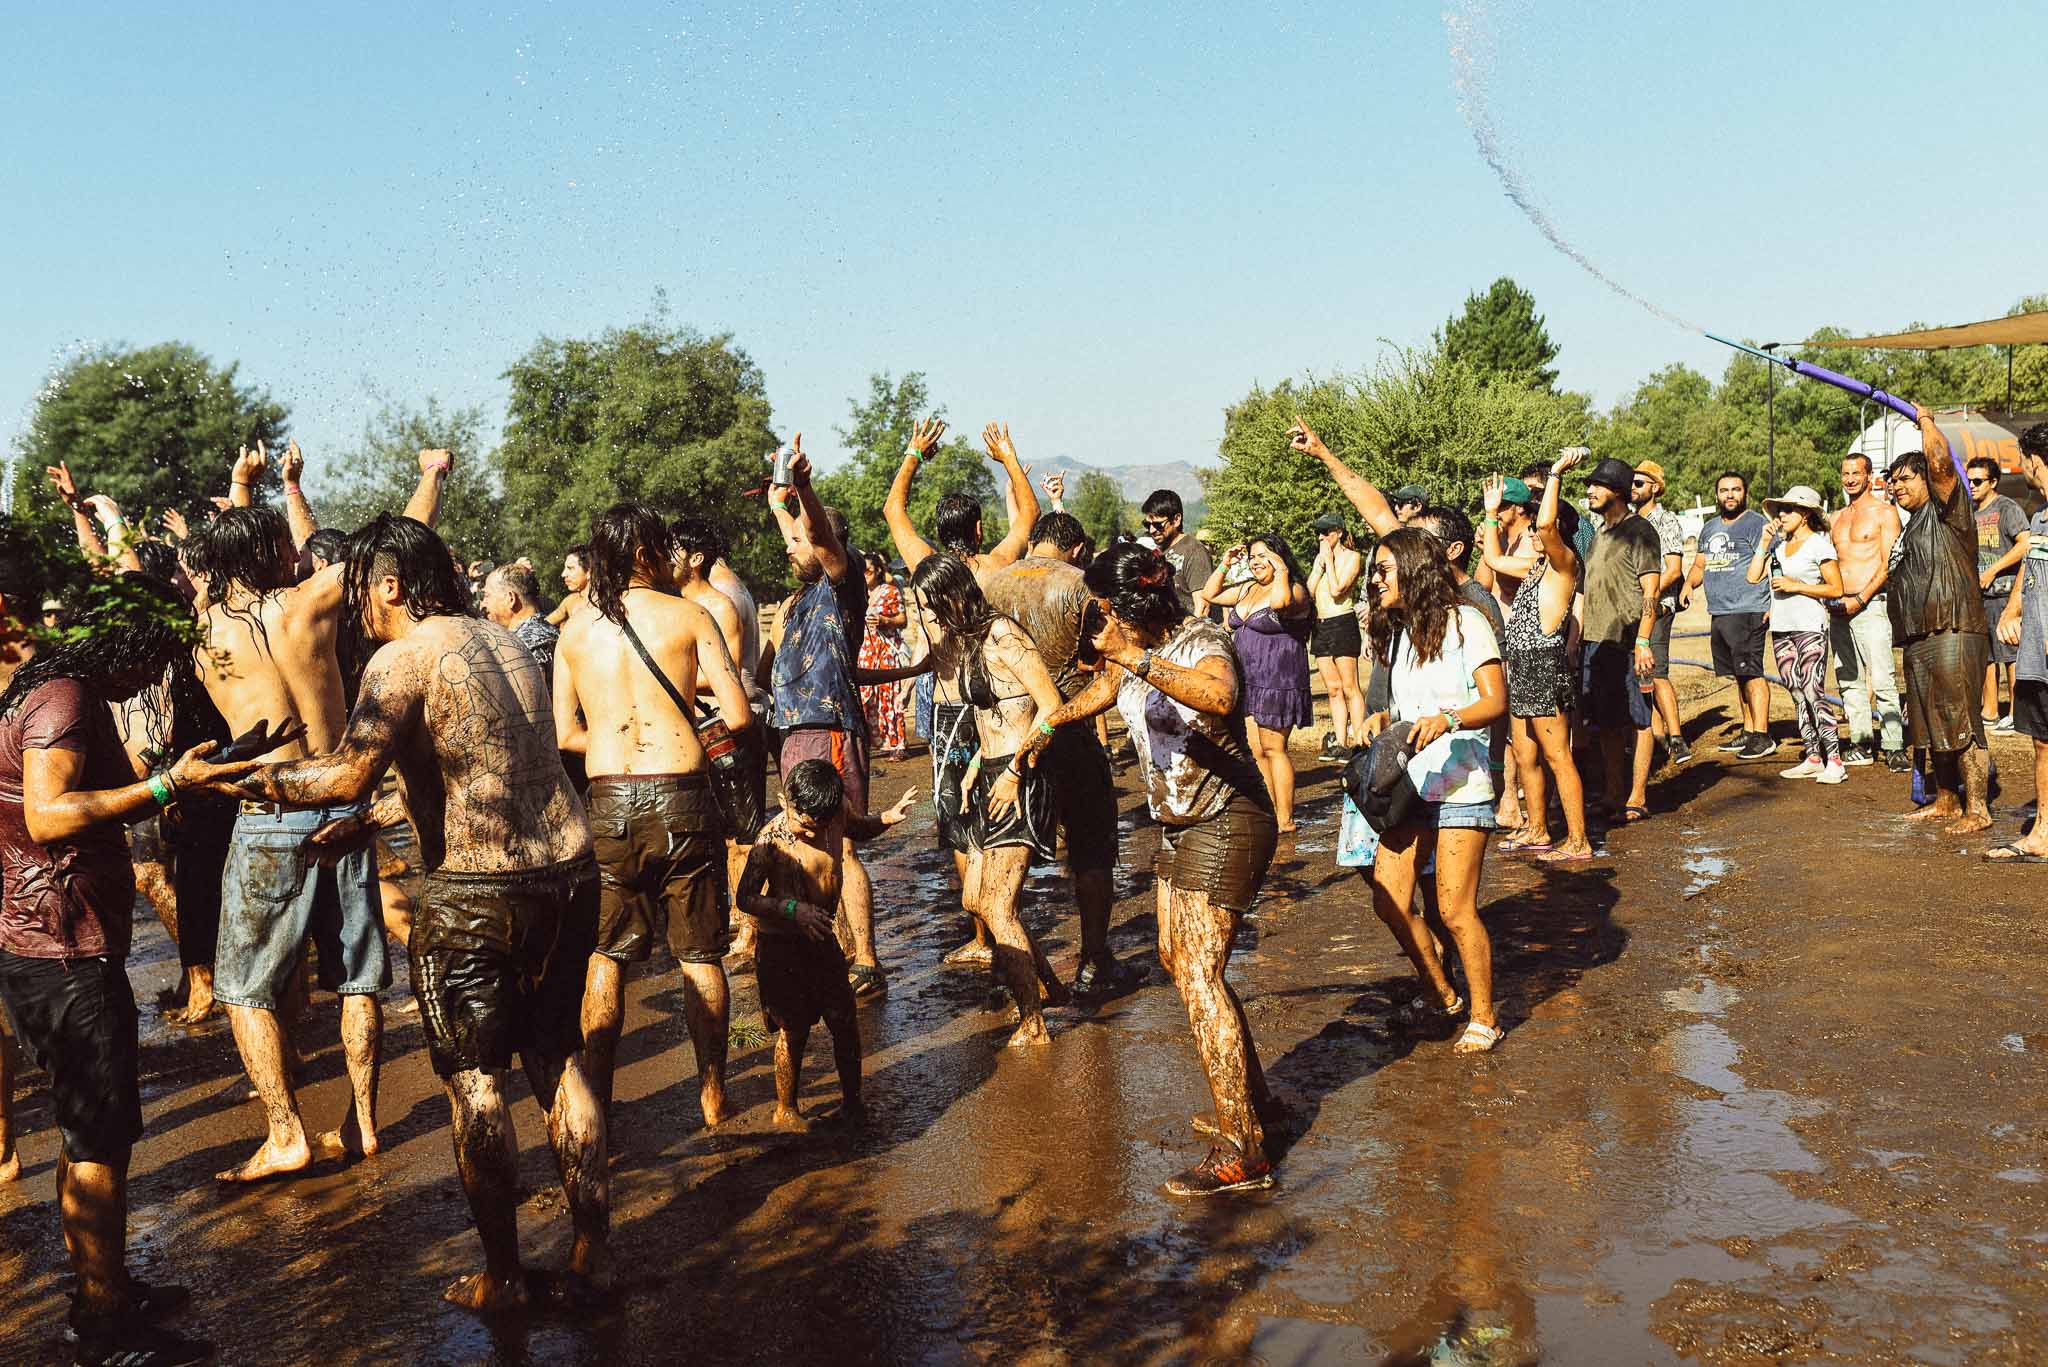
(1224,1170)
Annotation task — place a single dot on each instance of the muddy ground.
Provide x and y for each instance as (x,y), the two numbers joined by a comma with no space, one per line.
(1772,1092)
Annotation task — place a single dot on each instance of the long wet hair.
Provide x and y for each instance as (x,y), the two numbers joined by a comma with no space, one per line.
(139,623)
(619,534)
(950,593)
(1137,581)
(697,536)
(241,547)
(957,520)
(1429,596)
(409,551)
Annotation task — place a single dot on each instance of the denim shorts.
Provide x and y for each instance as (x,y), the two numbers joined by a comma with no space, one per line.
(1457,816)
(273,896)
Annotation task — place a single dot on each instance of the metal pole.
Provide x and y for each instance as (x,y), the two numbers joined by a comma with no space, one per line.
(1771,410)
(2008,379)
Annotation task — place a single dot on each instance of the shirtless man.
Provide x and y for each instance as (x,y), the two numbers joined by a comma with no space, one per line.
(576,579)
(1860,628)
(507,917)
(268,656)
(655,824)
(958,523)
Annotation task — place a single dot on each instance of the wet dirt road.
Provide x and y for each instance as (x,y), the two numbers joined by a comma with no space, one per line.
(1772,1092)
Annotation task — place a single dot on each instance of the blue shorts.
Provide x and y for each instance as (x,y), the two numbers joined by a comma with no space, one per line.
(1457,816)
(273,896)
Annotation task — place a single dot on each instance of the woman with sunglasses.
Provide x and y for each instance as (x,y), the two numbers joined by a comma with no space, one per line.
(1805,577)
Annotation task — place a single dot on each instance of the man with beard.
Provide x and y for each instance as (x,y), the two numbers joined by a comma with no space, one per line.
(507,916)
(626,679)
(268,656)
(1624,573)
(1736,608)
(1646,493)
(1861,626)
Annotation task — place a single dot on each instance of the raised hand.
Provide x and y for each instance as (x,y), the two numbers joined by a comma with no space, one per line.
(1567,458)
(220,505)
(294,463)
(799,463)
(103,508)
(250,464)
(175,525)
(436,458)
(60,477)
(901,811)
(925,435)
(1055,486)
(1490,496)
(996,437)
(1301,437)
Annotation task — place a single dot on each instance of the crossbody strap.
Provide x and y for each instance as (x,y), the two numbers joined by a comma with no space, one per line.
(626,625)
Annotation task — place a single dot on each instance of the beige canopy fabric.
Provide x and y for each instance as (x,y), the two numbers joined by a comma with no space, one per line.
(2018,330)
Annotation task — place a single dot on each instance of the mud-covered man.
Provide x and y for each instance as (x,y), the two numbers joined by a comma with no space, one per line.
(507,915)
(631,667)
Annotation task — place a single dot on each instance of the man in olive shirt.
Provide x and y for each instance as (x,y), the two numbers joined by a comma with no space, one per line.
(1624,573)
(1045,594)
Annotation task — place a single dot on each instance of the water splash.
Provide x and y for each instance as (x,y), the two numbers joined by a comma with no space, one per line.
(1472,59)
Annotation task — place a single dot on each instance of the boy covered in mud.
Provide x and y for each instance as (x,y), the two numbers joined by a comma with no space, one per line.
(791,887)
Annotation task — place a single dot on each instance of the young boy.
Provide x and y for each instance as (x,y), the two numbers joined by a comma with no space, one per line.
(790,886)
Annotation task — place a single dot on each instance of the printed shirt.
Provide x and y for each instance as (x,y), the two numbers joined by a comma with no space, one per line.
(1798,611)
(1999,524)
(1670,541)
(73,900)
(2033,661)
(1456,766)
(1726,549)
(539,636)
(1192,566)
(1194,763)
(813,677)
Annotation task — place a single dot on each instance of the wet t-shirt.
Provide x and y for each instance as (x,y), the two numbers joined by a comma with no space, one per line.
(1192,567)
(1726,548)
(1194,762)
(1049,599)
(1999,524)
(1622,555)
(76,899)
(1933,584)
(2032,664)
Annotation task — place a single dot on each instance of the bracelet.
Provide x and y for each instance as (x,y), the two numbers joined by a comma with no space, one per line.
(162,790)
(440,465)
(1045,727)
(789,909)
(291,486)
(1643,640)
(239,483)
(1489,522)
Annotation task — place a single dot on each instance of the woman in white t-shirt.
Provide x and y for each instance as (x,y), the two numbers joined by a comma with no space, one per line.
(1805,577)
(1444,667)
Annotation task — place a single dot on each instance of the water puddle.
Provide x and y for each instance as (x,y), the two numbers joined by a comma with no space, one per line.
(1708,866)
(1704,997)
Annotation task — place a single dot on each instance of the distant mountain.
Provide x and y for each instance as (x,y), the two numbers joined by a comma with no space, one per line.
(1135,482)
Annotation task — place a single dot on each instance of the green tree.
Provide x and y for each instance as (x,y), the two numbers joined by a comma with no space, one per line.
(874,439)
(155,428)
(1421,417)
(1660,420)
(664,414)
(378,475)
(1500,333)
(1100,507)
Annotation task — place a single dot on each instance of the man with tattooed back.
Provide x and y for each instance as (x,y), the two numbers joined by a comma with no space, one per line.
(507,917)
(269,657)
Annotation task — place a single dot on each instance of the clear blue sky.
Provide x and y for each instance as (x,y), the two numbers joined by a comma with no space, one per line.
(1101,223)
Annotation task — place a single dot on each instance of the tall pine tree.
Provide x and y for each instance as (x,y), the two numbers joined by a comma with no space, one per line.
(1500,333)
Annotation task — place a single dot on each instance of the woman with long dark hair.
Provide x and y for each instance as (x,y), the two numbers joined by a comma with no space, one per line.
(1008,810)
(1443,663)
(1271,616)
(1177,682)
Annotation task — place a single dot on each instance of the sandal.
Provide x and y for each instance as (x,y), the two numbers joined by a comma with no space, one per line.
(2013,854)
(1515,843)
(1477,1038)
(867,981)
(1422,1011)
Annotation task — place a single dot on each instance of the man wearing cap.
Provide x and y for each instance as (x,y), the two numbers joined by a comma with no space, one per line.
(1859,622)
(1646,492)
(1502,574)
(1624,573)
(1333,584)
(1409,500)
(1737,608)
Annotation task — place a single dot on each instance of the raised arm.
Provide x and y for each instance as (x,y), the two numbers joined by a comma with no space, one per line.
(82,526)
(1019,500)
(297,511)
(1944,470)
(248,468)
(1372,505)
(387,706)
(1493,556)
(896,507)
(1215,591)
(1555,547)
(120,537)
(425,503)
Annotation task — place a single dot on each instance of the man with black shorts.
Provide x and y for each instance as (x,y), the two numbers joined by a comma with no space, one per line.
(1737,608)
(626,679)
(1623,575)
(507,917)
(67,789)
(1045,594)
(1333,583)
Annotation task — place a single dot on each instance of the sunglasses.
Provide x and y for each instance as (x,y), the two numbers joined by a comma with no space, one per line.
(1979,479)
(1380,572)
(1153,524)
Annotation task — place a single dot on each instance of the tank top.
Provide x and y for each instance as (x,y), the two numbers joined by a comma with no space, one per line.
(1336,605)
(1525,618)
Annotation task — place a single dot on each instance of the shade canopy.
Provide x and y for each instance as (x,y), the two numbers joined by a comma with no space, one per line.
(2018,330)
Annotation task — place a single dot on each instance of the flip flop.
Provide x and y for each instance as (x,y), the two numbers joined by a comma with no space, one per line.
(1509,846)
(1631,815)
(2012,854)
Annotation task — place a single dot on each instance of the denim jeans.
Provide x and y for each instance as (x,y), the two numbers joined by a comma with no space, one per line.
(1863,667)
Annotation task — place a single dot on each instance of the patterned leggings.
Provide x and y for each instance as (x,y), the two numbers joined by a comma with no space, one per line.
(1803,665)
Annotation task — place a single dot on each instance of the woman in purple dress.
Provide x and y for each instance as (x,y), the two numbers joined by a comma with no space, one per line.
(1272,615)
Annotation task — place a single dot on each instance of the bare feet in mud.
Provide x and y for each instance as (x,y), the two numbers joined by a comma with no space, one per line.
(10,1167)
(1030,1035)
(269,1161)
(485,1294)
(346,1143)
(973,954)
(789,1122)
(711,1100)
(1943,808)
(1055,993)
(1968,824)
(197,1013)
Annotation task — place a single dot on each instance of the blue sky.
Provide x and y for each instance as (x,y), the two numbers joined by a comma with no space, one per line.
(1101,223)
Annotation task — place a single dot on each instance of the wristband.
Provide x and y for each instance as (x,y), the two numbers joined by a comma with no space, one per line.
(1044,727)
(161,789)
(789,910)
(439,465)
(291,486)
(1489,522)
(239,483)
(1643,640)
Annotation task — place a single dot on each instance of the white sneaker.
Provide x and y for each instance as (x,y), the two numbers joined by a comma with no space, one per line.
(1806,768)
(1835,772)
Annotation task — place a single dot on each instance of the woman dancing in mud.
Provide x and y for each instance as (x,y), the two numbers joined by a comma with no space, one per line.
(1180,690)
(997,670)
(1447,684)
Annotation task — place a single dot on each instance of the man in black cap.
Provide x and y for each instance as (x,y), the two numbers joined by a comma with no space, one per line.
(1624,572)
(1409,500)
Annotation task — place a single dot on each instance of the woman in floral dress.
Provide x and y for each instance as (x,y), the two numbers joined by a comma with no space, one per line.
(882,648)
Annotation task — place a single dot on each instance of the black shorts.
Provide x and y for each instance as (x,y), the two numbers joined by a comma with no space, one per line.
(498,963)
(1739,645)
(802,981)
(1076,768)
(1609,687)
(1030,822)
(1337,635)
(77,1017)
(1660,646)
(198,842)
(954,742)
(661,858)
(1224,857)
(2030,708)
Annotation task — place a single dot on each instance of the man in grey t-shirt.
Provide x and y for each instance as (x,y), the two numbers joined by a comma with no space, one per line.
(1190,559)
(1739,609)
(2023,628)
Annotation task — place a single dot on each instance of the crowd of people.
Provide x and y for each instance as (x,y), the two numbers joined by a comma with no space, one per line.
(576,780)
